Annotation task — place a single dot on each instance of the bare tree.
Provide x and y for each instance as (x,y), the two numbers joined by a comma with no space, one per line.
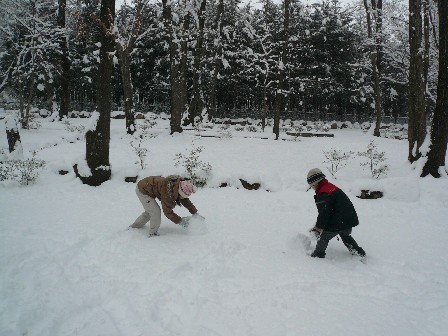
(267,59)
(65,63)
(374,14)
(218,30)
(197,102)
(125,44)
(416,103)
(281,92)
(439,128)
(176,35)
(98,139)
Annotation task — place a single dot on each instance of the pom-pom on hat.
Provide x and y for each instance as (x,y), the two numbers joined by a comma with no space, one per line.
(186,188)
(314,177)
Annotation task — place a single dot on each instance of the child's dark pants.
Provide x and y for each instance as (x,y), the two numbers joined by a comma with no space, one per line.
(347,239)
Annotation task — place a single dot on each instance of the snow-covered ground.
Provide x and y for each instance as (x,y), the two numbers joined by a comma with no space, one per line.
(69,266)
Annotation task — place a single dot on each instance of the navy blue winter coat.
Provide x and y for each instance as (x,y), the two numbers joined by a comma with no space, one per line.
(336,211)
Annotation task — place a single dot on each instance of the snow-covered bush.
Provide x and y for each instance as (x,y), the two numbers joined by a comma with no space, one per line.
(393,132)
(207,125)
(251,128)
(309,126)
(298,128)
(224,126)
(365,126)
(321,126)
(34,119)
(24,171)
(336,160)
(225,134)
(140,151)
(239,128)
(3,155)
(145,128)
(374,160)
(196,169)
(69,127)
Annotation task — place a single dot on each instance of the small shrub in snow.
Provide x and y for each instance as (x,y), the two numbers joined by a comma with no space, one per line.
(336,160)
(365,126)
(239,128)
(224,126)
(225,134)
(24,171)
(69,127)
(140,151)
(207,125)
(145,128)
(198,171)
(374,160)
(299,128)
(3,155)
(251,128)
(321,126)
(34,121)
(148,123)
(393,132)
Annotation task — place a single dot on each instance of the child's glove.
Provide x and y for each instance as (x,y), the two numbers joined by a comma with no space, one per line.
(316,231)
(184,222)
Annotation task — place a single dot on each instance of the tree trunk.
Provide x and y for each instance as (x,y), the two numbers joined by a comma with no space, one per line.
(439,128)
(426,34)
(13,135)
(29,100)
(65,65)
(280,95)
(181,81)
(98,139)
(378,65)
(376,54)
(416,114)
(50,93)
(217,61)
(124,50)
(128,91)
(197,100)
(177,97)
(264,108)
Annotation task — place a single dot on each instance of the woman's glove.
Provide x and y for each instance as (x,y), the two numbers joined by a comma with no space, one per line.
(184,222)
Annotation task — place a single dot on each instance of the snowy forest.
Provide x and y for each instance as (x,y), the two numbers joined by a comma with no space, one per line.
(242,130)
(199,60)
(318,56)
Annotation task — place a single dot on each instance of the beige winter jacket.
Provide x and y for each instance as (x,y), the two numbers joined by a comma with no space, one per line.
(166,189)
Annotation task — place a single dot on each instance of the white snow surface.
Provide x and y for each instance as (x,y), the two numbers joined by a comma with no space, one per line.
(70,267)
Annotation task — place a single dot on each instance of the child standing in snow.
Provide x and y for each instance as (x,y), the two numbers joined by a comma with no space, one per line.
(169,191)
(337,215)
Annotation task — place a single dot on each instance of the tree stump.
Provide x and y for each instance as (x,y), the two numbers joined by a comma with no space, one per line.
(13,135)
(131,179)
(367,194)
(250,186)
